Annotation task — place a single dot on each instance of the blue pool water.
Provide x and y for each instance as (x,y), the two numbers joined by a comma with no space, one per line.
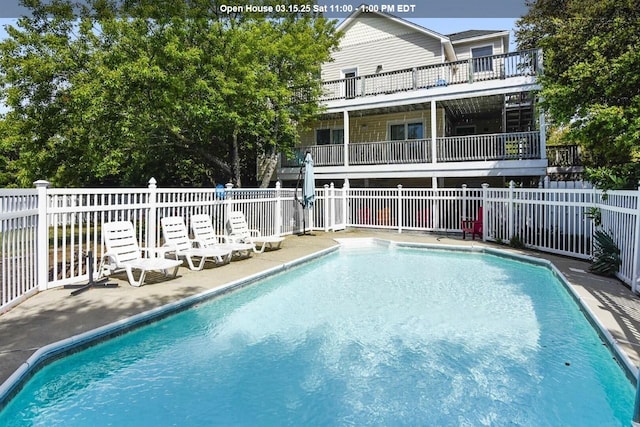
(360,337)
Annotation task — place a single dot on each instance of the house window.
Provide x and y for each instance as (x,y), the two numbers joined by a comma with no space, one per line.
(323,136)
(337,136)
(402,131)
(414,131)
(397,132)
(329,136)
(482,60)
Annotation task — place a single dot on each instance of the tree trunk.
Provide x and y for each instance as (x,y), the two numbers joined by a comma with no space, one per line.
(235,160)
(268,166)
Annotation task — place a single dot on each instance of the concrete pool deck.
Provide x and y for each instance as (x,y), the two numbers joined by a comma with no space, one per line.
(54,315)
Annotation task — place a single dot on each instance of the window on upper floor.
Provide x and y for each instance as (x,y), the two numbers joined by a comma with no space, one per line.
(329,136)
(409,130)
(482,60)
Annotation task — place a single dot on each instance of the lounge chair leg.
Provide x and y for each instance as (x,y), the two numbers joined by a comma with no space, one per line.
(132,280)
(192,265)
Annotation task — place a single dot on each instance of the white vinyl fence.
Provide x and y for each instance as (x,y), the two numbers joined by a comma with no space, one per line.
(18,245)
(46,233)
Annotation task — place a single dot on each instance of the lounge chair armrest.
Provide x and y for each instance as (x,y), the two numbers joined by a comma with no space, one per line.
(110,260)
(168,248)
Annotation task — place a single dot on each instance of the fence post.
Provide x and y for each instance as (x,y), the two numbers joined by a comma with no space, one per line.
(399,208)
(278,214)
(228,202)
(42,236)
(636,247)
(153,215)
(511,210)
(328,224)
(345,201)
(332,206)
(485,205)
(464,201)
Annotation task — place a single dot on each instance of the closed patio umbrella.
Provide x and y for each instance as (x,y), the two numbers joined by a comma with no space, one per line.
(309,187)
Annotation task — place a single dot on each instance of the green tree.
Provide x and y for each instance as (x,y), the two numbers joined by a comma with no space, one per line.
(591,81)
(116,92)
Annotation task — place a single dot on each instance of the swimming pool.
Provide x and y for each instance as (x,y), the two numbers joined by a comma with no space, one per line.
(371,336)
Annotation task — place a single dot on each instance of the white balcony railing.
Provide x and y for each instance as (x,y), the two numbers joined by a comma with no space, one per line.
(494,67)
(564,155)
(390,152)
(498,146)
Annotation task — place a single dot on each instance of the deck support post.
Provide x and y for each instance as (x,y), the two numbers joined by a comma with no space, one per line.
(434,132)
(345,118)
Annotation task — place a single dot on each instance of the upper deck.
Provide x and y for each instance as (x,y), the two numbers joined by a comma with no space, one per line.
(501,72)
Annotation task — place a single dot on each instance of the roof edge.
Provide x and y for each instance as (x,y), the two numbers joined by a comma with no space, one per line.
(500,33)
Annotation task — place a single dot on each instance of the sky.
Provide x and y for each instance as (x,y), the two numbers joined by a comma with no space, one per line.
(454,25)
(440,25)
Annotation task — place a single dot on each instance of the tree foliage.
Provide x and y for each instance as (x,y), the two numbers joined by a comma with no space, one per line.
(591,81)
(114,92)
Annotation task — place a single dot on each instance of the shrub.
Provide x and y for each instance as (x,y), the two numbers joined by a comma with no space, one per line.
(606,255)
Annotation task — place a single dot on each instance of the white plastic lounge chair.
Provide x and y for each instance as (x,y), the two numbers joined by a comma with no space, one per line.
(206,237)
(176,238)
(123,252)
(239,231)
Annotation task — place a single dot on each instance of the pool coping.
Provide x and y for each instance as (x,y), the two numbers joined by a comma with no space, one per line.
(51,352)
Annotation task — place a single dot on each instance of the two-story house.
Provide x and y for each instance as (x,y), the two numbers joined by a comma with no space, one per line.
(407,105)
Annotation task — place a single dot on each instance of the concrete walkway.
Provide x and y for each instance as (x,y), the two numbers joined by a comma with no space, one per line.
(54,315)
